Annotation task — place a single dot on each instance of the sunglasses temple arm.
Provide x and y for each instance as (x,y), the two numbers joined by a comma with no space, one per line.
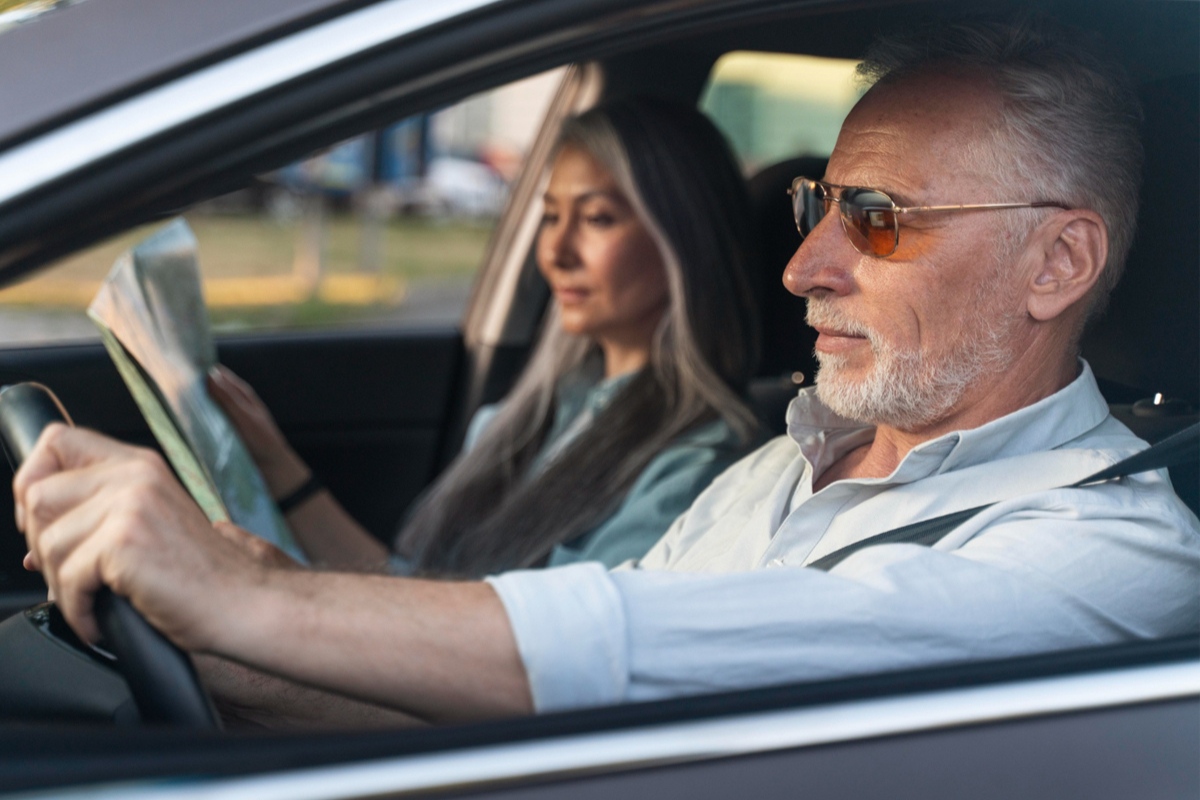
(974,206)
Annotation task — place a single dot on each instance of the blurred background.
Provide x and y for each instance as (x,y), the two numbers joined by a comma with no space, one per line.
(389,228)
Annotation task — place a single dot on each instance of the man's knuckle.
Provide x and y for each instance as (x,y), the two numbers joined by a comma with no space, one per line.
(126,519)
(36,502)
(125,534)
(52,550)
(52,435)
(143,469)
(152,460)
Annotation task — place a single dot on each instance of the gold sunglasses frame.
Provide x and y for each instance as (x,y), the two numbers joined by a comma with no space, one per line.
(831,198)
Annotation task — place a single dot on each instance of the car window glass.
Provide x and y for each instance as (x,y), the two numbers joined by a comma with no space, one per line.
(387,228)
(16,12)
(775,106)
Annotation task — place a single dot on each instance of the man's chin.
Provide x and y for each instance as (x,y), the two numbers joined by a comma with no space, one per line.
(843,392)
(869,400)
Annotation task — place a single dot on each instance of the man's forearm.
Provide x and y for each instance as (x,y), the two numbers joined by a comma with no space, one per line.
(248,698)
(438,650)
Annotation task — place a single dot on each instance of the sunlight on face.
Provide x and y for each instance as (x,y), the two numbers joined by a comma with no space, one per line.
(911,339)
(600,260)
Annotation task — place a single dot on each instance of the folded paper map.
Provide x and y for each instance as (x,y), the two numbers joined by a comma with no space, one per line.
(151,315)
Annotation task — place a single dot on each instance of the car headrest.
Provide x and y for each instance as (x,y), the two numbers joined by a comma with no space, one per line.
(1149,338)
(787,340)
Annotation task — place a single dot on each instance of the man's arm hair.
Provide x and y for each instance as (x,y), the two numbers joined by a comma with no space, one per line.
(437,650)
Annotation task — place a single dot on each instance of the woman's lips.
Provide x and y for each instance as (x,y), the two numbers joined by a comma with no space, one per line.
(568,296)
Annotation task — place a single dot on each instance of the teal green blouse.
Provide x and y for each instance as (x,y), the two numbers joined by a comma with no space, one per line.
(664,490)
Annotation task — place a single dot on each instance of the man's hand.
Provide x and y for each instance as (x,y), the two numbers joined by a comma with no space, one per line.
(96,512)
(99,513)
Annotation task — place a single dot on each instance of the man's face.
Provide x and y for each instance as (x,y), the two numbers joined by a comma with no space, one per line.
(907,340)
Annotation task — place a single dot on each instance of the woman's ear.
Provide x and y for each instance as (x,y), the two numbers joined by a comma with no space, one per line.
(1071,249)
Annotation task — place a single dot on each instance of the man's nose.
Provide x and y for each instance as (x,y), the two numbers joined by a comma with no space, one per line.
(824,261)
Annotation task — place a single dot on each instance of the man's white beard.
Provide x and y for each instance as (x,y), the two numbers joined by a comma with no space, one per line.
(907,389)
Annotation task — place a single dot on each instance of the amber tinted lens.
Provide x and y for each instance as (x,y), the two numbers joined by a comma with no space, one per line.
(809,204)
(870,221)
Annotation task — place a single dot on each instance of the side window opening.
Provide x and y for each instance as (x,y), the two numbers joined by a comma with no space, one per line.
(775,106)
(386,229)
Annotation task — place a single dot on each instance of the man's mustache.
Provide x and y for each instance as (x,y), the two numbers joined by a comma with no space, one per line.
(822,314)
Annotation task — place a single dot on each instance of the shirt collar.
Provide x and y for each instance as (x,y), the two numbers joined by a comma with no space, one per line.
(586,389)
(824,437)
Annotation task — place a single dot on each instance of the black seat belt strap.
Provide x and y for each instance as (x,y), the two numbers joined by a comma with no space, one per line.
(1178,448)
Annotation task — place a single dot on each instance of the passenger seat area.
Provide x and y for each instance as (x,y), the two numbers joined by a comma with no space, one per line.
(787,362)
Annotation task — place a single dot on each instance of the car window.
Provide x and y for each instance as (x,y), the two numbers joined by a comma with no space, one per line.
(387,228)
(16,12)
(774,106)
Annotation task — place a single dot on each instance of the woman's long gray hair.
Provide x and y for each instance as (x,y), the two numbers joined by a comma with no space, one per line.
(488,513)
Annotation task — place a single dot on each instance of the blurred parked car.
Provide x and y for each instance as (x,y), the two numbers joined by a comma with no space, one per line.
(458,187)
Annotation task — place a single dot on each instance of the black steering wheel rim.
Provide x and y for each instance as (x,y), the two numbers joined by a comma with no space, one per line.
(161,677)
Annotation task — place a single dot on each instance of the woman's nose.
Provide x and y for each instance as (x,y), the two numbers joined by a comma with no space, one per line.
(560,245)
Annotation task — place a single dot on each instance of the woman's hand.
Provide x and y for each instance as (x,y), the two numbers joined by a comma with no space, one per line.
(96,512)
(326,533)
(282,469)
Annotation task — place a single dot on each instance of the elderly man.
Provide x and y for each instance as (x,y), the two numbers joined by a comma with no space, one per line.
(976,210)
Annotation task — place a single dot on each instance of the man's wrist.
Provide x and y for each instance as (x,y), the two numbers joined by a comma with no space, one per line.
(254,612)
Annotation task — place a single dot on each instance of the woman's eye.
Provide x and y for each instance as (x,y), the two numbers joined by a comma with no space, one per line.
(549,219)
(600,220)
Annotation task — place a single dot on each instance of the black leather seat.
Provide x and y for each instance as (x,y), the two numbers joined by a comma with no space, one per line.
(787,351)
(1148,341)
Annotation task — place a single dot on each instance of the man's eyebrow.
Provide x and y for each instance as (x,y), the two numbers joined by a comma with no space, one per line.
(900,198)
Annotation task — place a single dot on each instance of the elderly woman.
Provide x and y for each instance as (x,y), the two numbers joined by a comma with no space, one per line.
(631,402)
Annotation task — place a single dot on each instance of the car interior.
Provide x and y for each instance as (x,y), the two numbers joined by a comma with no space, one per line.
(377,412)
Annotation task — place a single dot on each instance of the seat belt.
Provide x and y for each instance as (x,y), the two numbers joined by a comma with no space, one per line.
(1178,448)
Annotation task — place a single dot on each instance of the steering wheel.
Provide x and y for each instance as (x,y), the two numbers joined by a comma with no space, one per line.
(161,678)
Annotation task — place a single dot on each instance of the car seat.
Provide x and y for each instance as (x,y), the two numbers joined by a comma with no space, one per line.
(787,360)
(1145,348)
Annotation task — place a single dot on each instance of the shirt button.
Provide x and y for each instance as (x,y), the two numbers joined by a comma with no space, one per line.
(775,562)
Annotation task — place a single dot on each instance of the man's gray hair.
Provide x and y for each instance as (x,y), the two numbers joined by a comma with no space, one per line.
(1071,130)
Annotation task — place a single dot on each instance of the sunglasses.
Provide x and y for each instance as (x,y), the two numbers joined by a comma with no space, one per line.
(870,218)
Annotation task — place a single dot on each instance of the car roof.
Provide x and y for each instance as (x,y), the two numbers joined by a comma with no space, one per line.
(123,48)
(117,47)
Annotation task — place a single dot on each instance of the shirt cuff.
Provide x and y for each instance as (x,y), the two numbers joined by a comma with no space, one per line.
(569,623)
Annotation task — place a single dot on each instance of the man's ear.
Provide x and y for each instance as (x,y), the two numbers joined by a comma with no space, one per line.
(1071,250)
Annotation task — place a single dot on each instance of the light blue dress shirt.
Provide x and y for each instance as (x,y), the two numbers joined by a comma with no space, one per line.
(665,488)
(724,601)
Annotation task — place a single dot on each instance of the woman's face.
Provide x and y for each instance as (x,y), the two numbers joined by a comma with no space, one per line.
(598,257)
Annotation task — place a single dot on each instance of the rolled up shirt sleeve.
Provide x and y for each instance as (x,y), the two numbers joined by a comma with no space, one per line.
(1033,580)
(725,601)
(570,627)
